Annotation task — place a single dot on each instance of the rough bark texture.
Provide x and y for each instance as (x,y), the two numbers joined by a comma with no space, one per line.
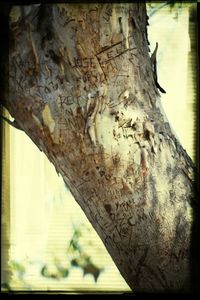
(82,88)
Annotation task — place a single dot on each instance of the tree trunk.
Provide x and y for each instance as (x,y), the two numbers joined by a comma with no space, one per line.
(82,87)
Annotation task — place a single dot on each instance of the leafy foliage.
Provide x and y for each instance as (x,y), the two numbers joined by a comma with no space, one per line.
(61,272)
(174,7)
(18,268)
(5,287)
(78,258)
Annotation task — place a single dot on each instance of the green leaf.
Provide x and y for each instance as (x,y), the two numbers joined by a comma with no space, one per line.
(5,287)
(90,268)
(74,263)
(18,267)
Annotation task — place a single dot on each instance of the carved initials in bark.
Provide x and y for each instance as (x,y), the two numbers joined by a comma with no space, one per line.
(106,135)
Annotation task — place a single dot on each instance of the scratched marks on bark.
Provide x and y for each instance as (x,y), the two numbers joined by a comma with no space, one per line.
(85,94)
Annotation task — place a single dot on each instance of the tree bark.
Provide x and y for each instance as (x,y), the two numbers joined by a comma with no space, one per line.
(82,87)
